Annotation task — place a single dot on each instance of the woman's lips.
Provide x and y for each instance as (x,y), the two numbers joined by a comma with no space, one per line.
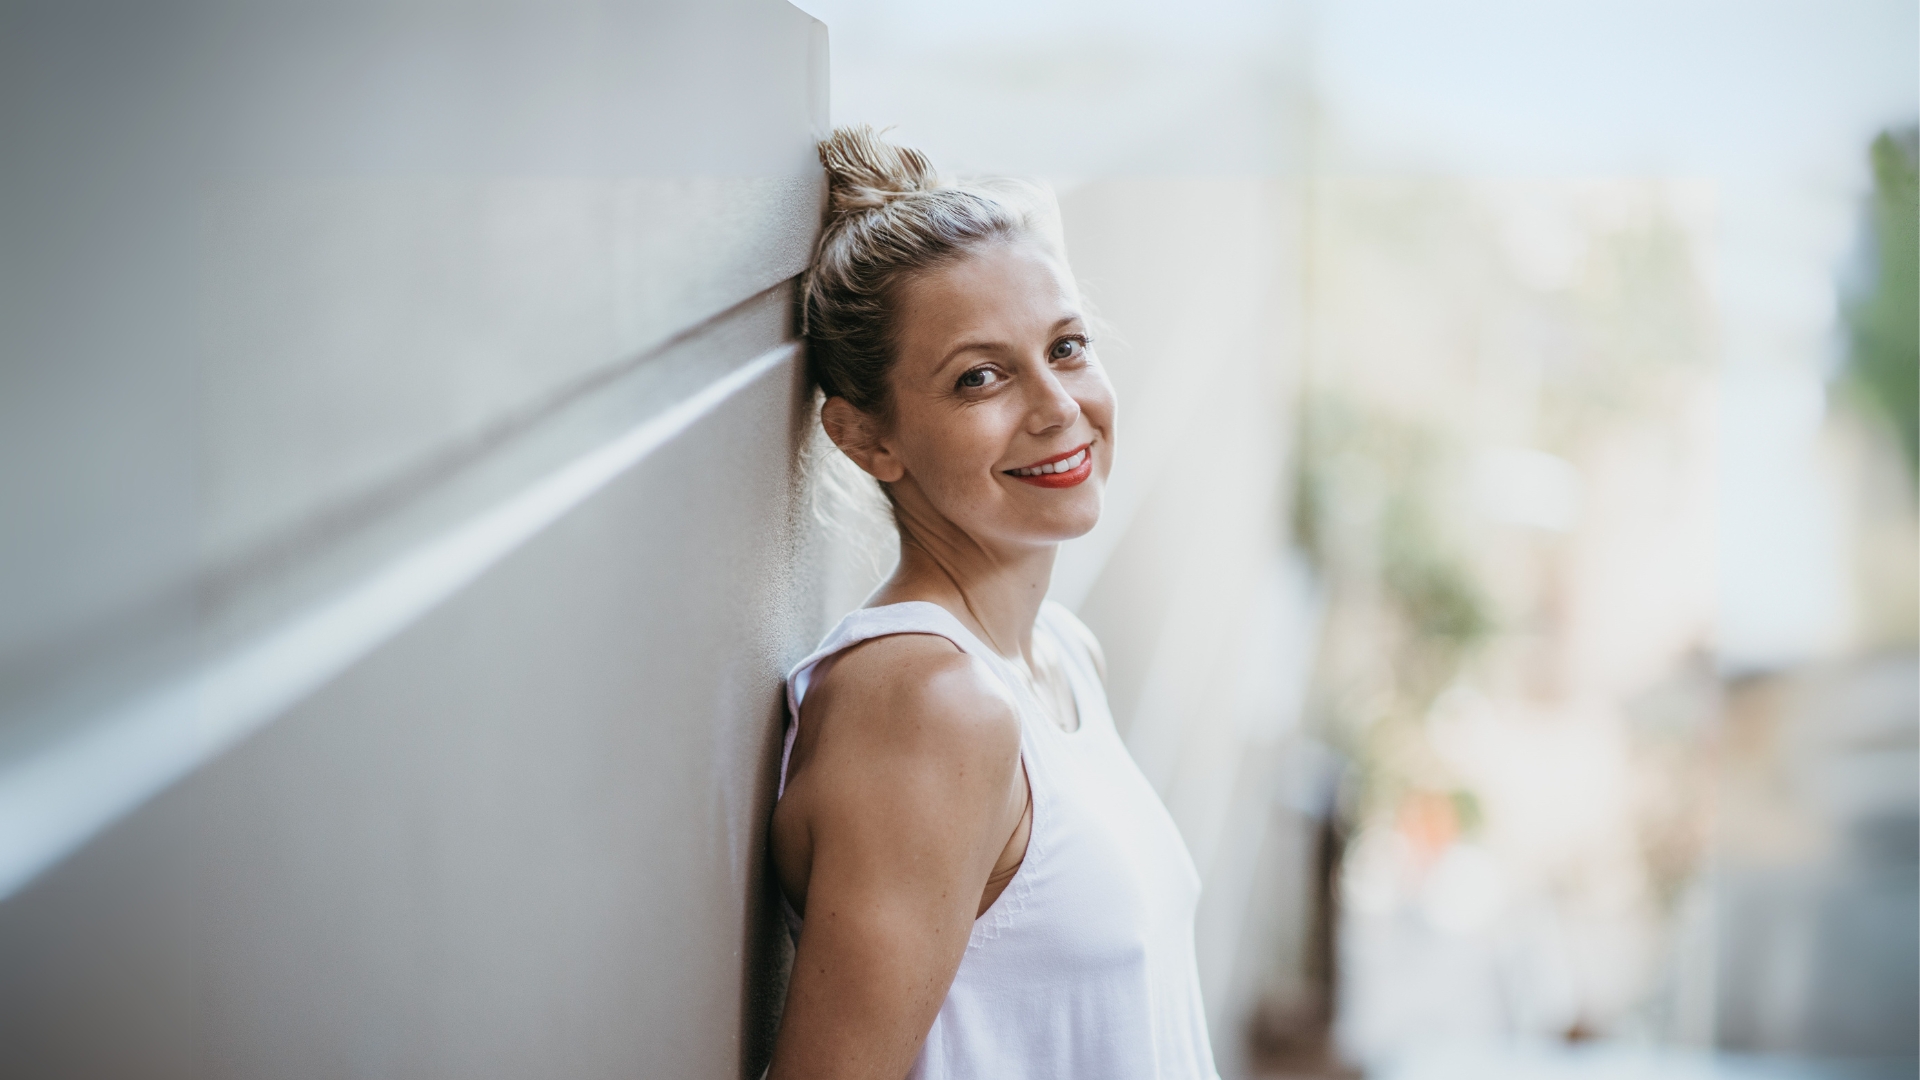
(1064,471)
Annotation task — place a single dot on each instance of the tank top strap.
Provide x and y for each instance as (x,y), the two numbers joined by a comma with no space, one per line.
(865,624)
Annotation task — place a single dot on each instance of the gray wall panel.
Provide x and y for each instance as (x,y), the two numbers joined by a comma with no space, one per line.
(520,840)
(296,295)
(257,260)
(524,838)
(354,329)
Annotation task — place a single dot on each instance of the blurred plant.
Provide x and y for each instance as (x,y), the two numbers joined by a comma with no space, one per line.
(1883,315)
(1439,596)
(1369,486)
(1458,329)
(1419,287)
(1369,513)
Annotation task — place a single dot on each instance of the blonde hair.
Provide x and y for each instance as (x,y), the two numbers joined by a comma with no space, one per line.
(890,217)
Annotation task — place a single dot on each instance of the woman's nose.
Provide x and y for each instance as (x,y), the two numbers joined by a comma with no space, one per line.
(1052,407)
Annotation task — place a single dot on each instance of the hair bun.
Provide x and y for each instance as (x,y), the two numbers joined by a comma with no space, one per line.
(866,173)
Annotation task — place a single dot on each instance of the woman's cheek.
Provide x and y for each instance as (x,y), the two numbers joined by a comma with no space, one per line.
(1097,398)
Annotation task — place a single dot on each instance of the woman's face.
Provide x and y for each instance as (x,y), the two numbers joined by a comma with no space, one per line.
(1002,417)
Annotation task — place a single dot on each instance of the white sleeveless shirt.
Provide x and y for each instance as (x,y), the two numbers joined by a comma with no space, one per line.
(1083,968)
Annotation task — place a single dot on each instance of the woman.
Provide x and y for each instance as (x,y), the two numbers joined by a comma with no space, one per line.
(983,884)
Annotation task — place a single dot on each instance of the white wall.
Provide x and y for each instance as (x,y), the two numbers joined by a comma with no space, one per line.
(398,409)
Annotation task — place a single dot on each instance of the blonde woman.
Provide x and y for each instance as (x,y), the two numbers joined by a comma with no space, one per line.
(982,884)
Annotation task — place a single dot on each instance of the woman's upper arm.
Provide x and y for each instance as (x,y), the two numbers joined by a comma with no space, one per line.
(907,792)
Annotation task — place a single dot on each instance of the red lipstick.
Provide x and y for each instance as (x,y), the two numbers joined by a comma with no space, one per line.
(1070,478)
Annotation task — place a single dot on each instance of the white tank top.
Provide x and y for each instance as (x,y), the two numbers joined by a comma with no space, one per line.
(1083,968)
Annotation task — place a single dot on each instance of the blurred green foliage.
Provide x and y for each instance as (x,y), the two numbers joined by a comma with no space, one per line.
(1367,509)
(1435,590)
(1883,317)
(1467,811)
(1450,323)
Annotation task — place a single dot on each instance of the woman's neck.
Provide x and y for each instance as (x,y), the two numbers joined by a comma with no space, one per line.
(997,593)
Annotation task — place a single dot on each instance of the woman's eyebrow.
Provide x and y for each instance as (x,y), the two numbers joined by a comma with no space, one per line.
(967,347)
(999,346)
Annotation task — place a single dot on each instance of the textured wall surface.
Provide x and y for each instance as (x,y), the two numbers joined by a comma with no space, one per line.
(400,407)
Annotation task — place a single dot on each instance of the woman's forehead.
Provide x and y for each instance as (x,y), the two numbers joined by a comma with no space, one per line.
(1005,288)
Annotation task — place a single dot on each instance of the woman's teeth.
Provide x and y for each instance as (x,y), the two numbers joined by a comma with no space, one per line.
(1063,465)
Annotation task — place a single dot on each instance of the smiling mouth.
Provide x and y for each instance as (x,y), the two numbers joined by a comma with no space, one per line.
(1066,470)
(1066,462)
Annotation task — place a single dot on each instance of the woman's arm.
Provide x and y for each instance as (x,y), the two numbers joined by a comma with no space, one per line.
(911,787)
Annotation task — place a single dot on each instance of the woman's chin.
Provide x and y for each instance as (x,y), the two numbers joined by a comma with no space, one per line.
(1073,521)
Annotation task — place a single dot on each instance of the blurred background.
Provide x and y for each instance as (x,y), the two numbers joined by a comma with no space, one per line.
(407,512)
(1510,574)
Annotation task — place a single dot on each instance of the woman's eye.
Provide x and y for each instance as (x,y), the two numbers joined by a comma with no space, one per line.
(975,379)
(1068,348)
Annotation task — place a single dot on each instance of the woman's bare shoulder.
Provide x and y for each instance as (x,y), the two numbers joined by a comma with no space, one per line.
(916,694)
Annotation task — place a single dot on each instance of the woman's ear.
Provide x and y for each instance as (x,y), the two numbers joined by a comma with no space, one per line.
(857,434)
